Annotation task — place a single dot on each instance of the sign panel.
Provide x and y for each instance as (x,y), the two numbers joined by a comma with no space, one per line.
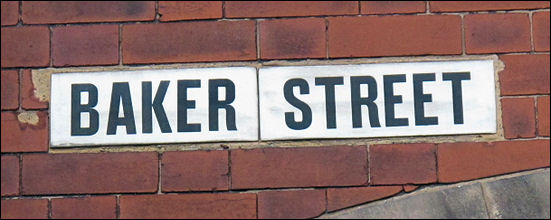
(154,106)
(377,100)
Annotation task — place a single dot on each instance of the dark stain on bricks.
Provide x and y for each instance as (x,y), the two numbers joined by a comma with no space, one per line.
(134,8)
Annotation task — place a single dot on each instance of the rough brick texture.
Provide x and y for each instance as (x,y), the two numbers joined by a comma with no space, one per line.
(89,173)
(195,171)
(189,10)
(543,116)
(86,11)
(402,163)
(540,25)
(525,74)
(25,46)
(394,35)
(519,117)
(102,207)
(298,167)
(28,97)
(392,7)
(189,206)
(468,161)
(292,38)
(339,198)
(250,9)
(497,33)
(291,204)
(25,209)
(10,175)
(85,45)
(189,42)
(456,6)
(10,89)
(28,136)
(10,12)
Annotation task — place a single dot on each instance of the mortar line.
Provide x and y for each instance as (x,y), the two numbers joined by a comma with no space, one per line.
(326,38)
(49,208)
(427,7)
(157,15)
(20,14)
(20,88)
(530,18)
(463,41)
(120,45)
(118,207)
(484,197)
(537,118)
(51,33)
(359,13)
(257,37)
(159,170)
(223,9)
(20,188)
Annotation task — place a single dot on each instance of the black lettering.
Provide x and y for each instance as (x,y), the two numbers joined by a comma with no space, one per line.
(215,104)
(77,108)
(157,105)
(303,107)
(330,108)
(184,104)
(358,101)
(121,91)
(391,99)
(457,93)
(419,98)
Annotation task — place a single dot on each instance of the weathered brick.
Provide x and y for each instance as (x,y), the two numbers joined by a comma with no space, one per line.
(25,46)
(189,42)
(189,10)
(10,175)
(339,198)
(10,12)
(468,161)
(519,117)
(300,167)
(28,97)
(392,7)
(540,23)
(85,45)
(25,209)
(394,35)
(10,89)
(50,12)
(410,188)
(455,6)
(89,173)
(292,38)
(189,206)
(195,171)
(28,135)
(497,33)
(296,204)
(543,116)
(250,9)
(98,207)
(402,163)
(525,74)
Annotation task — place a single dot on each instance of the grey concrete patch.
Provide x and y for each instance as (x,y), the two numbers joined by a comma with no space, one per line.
(519,197)
(458,202)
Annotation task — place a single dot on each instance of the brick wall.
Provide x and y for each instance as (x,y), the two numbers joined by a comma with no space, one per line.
(299,179)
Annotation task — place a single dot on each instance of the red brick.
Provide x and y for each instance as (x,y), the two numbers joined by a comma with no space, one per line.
(28,98)
(394,35)
(25,46)
(10,89)
(24,136)
(410,188)
(299,167)
(402,163)
(85,45)
(89,173)
(455,6)
(195,171)
(250,9)
(189,206)
(540,22)
(25,209)
(468,161)
(10,175)
(525,74)
(189,42)
(10,12)
(543,116)
(339,198)
(102,207)
(189,10)
(519,117)
(292,38)
(497,33)
(86,11)
(392,7)
(291,204)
